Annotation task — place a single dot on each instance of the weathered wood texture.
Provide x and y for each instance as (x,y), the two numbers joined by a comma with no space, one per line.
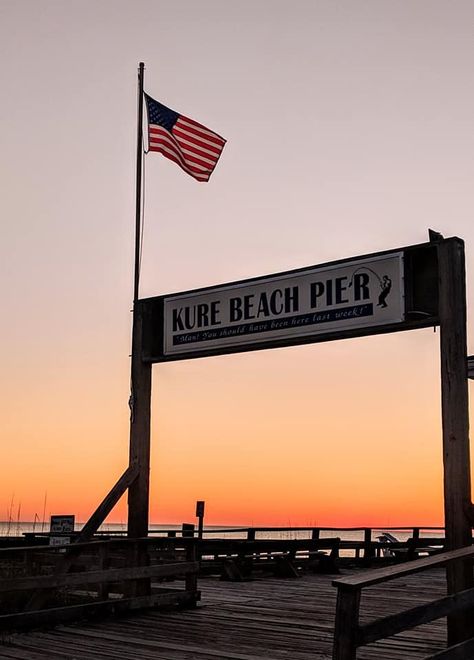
(237,559)
(268,619)
(462,651)
(54,584)
(455,414)
(138,492)
(350,633)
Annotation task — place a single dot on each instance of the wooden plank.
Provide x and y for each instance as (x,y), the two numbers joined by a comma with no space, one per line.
(108,503)
(91,577)
(460,651)
(54,615)
(272,619)
(9,652)
(415,616)
(377,575)
(177,647)
(66,561)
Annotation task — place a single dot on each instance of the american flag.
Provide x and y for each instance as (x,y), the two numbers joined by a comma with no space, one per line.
(192,146)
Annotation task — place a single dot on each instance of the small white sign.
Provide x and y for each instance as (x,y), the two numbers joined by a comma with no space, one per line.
(59,540)
(338,297)
(62,524)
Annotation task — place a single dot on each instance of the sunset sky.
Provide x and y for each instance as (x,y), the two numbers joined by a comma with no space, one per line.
(350,130)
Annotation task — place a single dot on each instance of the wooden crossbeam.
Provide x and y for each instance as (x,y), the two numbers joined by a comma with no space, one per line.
(108,503)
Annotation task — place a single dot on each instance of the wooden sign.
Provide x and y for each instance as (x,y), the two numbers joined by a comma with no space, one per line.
(62,525)
(382,292)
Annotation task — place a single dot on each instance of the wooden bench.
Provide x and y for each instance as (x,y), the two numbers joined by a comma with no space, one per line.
(239,559)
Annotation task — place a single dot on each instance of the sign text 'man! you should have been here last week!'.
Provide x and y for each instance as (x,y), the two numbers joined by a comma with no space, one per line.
(311,301)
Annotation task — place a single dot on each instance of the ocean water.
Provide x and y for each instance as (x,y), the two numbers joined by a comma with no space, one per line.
(15,528)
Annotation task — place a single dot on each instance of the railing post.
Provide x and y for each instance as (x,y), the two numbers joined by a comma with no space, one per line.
(347,624)
(103,557)
(412,543)
(368,549)
(251,534)
(138,556)
(315,534)
(191,579)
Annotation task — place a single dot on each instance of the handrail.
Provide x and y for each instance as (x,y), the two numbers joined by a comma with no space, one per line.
(349,634)
(375,576)
(112,575)
(75,547)
(246,529)
(366,548)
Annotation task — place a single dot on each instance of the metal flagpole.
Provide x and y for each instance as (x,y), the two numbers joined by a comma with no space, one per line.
(138,194)
(140,395)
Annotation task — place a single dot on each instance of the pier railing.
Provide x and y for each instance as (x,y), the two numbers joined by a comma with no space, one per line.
(366,547)
(349,634)
(42,585)
(367,534)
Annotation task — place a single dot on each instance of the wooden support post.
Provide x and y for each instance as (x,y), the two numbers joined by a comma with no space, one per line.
(315,534)
(454,396)
(251,534)
(138,493)
(413,543)
(369,552)
(103,564)
(200,505)
(191,579)
(347,624)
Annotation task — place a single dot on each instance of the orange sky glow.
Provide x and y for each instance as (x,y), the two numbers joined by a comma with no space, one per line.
(349,129)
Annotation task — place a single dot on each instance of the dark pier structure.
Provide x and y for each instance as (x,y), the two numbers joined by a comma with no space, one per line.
(305,608)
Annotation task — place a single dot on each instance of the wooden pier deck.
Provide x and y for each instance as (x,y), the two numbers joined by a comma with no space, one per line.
(268,618)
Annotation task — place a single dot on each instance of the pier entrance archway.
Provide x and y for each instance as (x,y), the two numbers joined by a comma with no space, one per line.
(392,291)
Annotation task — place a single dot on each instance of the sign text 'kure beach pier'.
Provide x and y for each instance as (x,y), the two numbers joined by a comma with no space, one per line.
(357,296)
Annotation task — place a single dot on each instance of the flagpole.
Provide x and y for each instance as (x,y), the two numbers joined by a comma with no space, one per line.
(140,381)
(138,195)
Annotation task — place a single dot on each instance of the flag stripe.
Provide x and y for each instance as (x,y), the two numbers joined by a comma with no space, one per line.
(187,146)
(210,148)
(166,149)
(172,156)
(164,142)
(200,153)
(163,136)
(199,129)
